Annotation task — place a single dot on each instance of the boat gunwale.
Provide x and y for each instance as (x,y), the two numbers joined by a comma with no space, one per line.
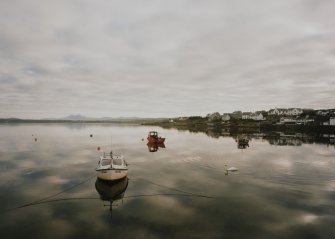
(104,169)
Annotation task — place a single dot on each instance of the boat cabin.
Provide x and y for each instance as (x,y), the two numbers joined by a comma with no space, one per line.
(153,134)
(115,160)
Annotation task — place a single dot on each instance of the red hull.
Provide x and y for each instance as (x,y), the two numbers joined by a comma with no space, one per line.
(153,147)
(155,140)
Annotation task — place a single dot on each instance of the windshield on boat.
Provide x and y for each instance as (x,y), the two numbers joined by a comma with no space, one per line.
(117,161)
(105,162)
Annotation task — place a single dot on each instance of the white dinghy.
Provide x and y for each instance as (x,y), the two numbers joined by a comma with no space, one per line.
(112,167)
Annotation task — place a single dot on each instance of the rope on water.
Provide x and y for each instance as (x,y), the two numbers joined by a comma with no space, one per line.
(53,195)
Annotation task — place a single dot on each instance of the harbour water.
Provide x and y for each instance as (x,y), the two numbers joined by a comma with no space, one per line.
(281,188)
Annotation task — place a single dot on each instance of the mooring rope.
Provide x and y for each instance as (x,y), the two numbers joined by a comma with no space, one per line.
(171,188)
(45,200)
(53,195)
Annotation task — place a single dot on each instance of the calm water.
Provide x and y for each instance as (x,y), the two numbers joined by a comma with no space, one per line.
(48,187)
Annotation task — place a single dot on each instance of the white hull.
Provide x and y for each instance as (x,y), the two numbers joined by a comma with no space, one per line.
(112,167)
(111,174)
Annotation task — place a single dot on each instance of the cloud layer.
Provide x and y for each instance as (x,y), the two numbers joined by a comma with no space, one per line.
(158,58)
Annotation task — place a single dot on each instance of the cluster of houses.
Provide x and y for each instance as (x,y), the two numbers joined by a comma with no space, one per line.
(292,116)
(258,115)
(281,116)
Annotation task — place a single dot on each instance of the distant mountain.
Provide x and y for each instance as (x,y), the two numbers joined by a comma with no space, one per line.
(76,117)
(82,118)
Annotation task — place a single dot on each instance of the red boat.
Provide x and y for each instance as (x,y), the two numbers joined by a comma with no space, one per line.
(153,137)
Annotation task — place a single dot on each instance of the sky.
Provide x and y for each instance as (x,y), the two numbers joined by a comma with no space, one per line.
(155,58)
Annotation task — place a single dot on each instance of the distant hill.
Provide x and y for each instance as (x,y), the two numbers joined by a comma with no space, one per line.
(75,117)
(82,119)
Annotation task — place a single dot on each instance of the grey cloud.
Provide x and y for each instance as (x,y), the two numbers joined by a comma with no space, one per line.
(198,54)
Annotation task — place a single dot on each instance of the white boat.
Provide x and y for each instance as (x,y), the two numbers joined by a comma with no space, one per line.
(112,167)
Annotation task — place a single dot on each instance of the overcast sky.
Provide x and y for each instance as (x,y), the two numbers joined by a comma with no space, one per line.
(151,58)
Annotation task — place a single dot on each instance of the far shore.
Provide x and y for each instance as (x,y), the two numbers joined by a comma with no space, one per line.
(194,124)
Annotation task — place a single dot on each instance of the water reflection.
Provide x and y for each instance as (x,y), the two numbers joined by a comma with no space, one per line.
(281,139)
(111,193)
(286,141)
(213,133)
(57,173)
(273,137)
(242,146)
(153,147)
(242,141)
(231,170)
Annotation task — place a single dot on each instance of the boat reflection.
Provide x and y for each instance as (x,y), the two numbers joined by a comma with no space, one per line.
(242,141)
(153,147)
(242,146)
(111,193)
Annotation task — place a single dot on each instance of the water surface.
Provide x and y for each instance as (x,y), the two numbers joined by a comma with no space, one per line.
(48,187)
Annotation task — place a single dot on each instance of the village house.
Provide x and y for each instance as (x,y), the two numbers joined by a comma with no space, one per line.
(330,122)
(226,117)
(246,115)
(285,112)
(252,116)
(305,120)
(236,115)
(288,120)
(322,112)
(294,111)
(183,118)
(296,120)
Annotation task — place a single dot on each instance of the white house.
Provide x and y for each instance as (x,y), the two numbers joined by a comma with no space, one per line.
(322,112)
(183,118)
(252,116)
(226,117)
(286,112)
(246,115)
(236,115)
(276,111)
(294,111)
(287,120)
(330,122)
(305,120)
(296,120)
